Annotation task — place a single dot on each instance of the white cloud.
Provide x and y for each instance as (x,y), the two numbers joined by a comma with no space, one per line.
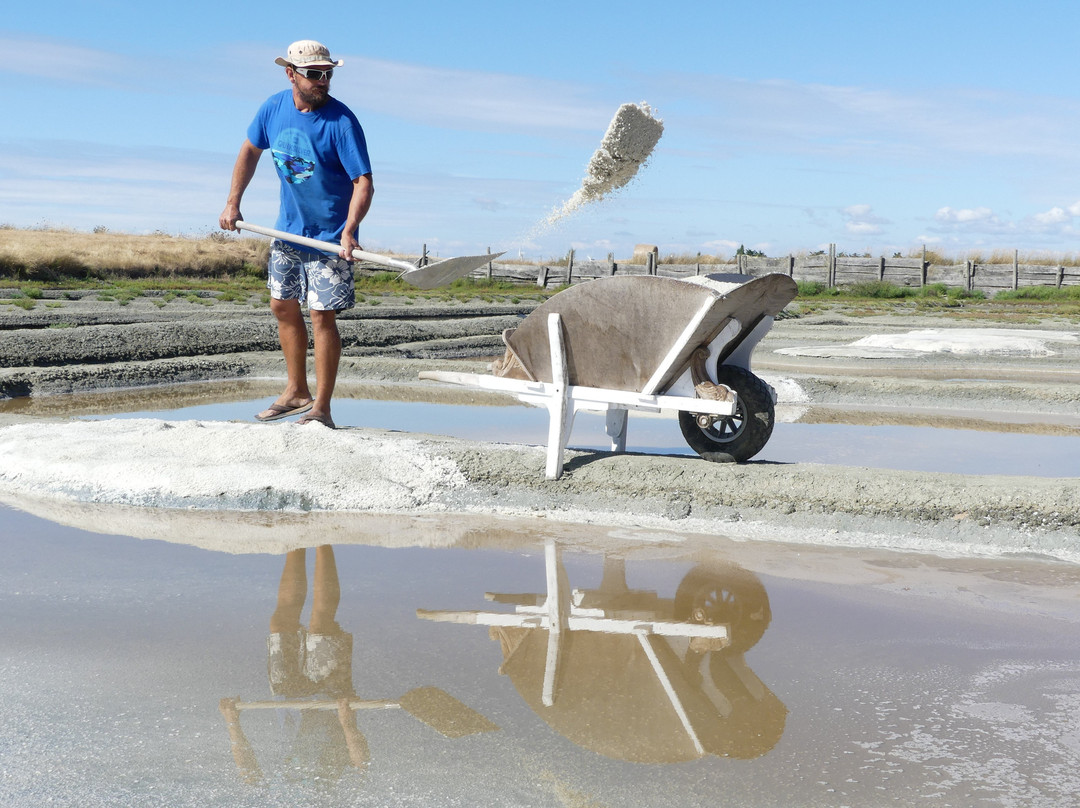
(965,216)
(860,220)
(969,227)
(858,211)
(1054,216)
(719,246)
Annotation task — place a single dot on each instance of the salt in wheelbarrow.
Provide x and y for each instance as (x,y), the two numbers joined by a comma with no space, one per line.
(646,343)
(429,276)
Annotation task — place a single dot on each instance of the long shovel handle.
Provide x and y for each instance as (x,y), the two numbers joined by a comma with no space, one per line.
(327,246)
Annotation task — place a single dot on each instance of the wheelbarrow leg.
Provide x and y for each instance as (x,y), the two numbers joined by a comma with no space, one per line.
(615,426)
(560,410)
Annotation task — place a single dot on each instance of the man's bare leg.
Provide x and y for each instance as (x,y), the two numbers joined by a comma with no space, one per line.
(327,358)
(292,592)
(293,335)
(326,592)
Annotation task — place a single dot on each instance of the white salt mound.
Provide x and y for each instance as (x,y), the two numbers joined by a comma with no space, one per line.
(227,466)
(630,138)
(959,341)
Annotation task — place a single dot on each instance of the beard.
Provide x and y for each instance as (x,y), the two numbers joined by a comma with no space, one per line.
(315,97)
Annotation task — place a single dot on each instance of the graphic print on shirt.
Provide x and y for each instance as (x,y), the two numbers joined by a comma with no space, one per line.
(294,156)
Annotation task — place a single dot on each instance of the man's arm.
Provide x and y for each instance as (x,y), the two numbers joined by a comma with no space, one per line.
(359,204)
(243,171)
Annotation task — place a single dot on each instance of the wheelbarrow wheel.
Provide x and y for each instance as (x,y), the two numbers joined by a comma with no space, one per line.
(737,437)
(729,596)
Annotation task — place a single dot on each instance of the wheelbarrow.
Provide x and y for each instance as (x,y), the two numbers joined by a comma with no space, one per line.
(646,343)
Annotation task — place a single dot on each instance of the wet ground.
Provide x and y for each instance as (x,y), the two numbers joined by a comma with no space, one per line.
(846,679)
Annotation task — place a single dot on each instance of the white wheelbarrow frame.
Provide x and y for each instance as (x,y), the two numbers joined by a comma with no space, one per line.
(727,335)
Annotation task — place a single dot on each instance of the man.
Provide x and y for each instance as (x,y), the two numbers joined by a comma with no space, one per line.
(321,158)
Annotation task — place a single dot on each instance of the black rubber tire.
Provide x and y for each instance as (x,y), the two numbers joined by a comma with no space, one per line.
(730,596)
(734,438)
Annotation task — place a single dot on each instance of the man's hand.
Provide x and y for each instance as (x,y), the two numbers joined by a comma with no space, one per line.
(363,189)
(229,217)
(348,244)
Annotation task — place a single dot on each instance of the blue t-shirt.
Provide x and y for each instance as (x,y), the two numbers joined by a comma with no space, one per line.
(317,155)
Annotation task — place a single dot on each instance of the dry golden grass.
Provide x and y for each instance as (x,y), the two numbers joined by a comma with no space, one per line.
(1038,258)
(51,254)
(694,258)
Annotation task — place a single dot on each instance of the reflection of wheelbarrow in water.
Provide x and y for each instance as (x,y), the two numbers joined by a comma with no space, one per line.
(646,343)
(634,676)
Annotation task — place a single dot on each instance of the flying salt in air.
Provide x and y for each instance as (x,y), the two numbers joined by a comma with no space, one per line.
(629,141)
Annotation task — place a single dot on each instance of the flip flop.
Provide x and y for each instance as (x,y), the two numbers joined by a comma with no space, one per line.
(278,411)
(325,420)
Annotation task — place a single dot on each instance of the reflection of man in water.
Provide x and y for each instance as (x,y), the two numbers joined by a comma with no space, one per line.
(318,660)
(303,665)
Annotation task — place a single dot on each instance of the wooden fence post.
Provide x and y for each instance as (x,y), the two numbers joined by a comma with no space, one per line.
(542,277)
(1061,276)
(490,270)
(1016,270)
(969,274)
(832,265)
(570,267)
(881,269)
(423,257)
(922,268)
(791,266)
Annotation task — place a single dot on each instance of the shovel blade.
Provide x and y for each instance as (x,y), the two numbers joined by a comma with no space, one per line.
(442,273)
(443,713)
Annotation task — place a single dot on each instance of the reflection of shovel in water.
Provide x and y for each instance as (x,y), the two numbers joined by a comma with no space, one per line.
(426,277)
(434,707)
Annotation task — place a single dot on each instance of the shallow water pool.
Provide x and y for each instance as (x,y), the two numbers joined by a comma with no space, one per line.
(911,448)
(141,672)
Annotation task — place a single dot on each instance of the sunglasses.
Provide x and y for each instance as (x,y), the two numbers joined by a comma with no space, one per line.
(314,74)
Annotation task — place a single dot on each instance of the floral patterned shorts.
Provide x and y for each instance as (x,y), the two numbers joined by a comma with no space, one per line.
(324,282)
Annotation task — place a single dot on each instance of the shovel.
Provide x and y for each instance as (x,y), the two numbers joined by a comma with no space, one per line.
(427,277)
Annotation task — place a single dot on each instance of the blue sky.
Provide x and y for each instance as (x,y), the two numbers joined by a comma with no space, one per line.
(788,126)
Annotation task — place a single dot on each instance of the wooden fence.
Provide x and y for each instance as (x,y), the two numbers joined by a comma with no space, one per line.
(827,268)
